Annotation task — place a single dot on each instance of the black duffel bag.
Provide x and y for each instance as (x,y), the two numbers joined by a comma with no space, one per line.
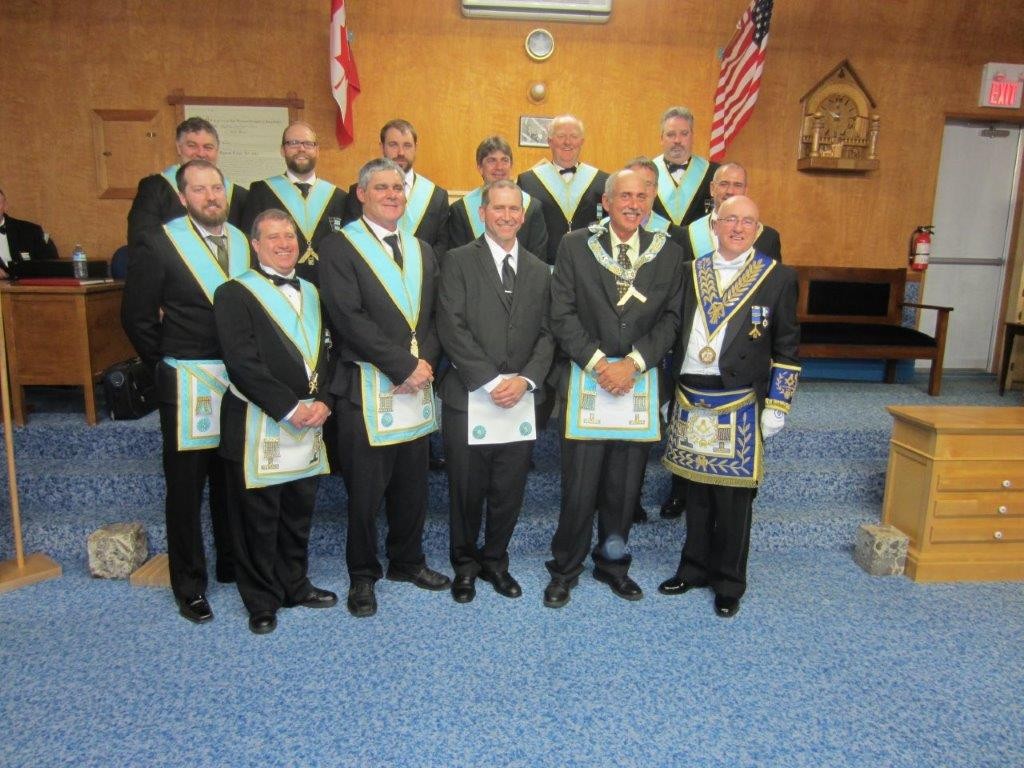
(129,390)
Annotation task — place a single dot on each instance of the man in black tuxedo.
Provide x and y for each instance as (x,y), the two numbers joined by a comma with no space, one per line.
(269,326)
(21,240)
(737,370)
(569,191)
(614,316)
(684,179)
(315,205)
(156,200)
(426,211)
(493,324)
(494,163)
(167,313)
(378,286)
(730,179)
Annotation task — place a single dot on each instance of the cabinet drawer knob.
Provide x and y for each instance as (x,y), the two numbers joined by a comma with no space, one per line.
(998,535)
(1007,484)
(1002,509)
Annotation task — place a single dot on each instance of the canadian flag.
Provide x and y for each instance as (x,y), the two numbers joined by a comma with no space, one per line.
(344,78)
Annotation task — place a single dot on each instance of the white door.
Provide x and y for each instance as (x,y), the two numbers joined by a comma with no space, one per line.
(974,203)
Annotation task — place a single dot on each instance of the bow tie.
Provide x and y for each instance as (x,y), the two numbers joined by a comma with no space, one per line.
(279,281)
(570,169)
(3,229)
(673,167)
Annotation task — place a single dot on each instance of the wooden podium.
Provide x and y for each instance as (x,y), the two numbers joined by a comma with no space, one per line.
(955,486)
(62,335)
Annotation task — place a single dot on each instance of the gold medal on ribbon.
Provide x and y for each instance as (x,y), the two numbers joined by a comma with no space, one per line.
(314,383)
(310,256)
(414,347)
(707,355)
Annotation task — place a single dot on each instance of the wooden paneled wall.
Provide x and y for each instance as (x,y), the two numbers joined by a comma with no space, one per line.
(458,80)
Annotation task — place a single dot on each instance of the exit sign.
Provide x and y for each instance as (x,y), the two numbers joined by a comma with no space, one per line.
(1001,85)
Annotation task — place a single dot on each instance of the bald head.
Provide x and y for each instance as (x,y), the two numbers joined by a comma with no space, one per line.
(736,226)
(565,138)
(729,180)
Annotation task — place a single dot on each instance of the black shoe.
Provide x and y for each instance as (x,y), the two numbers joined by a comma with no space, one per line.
(639,514)
(424,578)
(503,583)
(361,600)
(624,587)
(463,588)
(196,609)
(315,598)
(727,607)
(556,593)
(263,623)
(673,508)
(676,586)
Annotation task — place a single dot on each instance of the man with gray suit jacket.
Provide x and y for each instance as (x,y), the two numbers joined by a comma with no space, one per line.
(493,324)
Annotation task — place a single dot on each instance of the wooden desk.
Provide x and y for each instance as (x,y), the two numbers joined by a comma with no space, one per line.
(62,335)
(955,486)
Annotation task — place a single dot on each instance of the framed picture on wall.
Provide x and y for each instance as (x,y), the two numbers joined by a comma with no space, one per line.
(533,131)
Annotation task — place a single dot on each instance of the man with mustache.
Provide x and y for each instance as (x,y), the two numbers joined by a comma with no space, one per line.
(167,313)
(315,205)
(269,324)
(426,210)
(379,284)
(569,191)
(615,301)
(494,163)
(156,201)
(684,179)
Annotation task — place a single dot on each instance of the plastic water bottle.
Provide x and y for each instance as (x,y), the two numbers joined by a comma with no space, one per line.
(79,263)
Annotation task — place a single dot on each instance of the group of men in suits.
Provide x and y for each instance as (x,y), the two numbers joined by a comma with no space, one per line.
(571,284)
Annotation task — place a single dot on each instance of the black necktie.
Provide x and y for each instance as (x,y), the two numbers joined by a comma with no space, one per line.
(392,240)
(508,276)
(673,167)
(570,169)
(303,188)
(279,281)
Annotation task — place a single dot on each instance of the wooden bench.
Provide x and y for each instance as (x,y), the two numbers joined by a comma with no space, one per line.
(857,313)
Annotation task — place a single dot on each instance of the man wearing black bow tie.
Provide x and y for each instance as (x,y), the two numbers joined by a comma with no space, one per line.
(684,179)
(268,321)
(316,205)
(569,191)
(21,240)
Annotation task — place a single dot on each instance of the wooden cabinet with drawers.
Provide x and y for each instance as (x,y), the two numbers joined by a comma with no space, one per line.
(955,486)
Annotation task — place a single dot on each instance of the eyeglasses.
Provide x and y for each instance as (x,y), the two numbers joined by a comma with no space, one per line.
(746,222)
(295,144)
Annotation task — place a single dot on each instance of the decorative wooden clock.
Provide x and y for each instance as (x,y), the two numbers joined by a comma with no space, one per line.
(839,129)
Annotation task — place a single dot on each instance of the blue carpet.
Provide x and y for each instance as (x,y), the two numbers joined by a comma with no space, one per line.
(824,666)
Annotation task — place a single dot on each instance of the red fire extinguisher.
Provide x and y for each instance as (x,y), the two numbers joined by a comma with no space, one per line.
(921,247)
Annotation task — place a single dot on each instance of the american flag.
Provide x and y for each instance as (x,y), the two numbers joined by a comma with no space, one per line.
(740,79)
(344,78)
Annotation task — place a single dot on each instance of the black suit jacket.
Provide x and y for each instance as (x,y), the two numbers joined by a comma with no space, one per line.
(164,311)
(768,242)
(698,206)
(28,237)
(746,361)
(533,235)
(364,321)
(586,212)
(433,226)
(156,203)
(261,198)
(262,363)
(584,316)
(481,333)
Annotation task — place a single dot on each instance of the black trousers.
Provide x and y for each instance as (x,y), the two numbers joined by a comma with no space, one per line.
(394,474)
(185,474)
(602,476)
(717,527)
(271,539)
(479,474)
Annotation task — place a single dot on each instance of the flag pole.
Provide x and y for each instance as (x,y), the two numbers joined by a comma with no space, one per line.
(22,570)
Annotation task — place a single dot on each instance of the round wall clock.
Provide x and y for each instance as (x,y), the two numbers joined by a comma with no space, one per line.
(540,44)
